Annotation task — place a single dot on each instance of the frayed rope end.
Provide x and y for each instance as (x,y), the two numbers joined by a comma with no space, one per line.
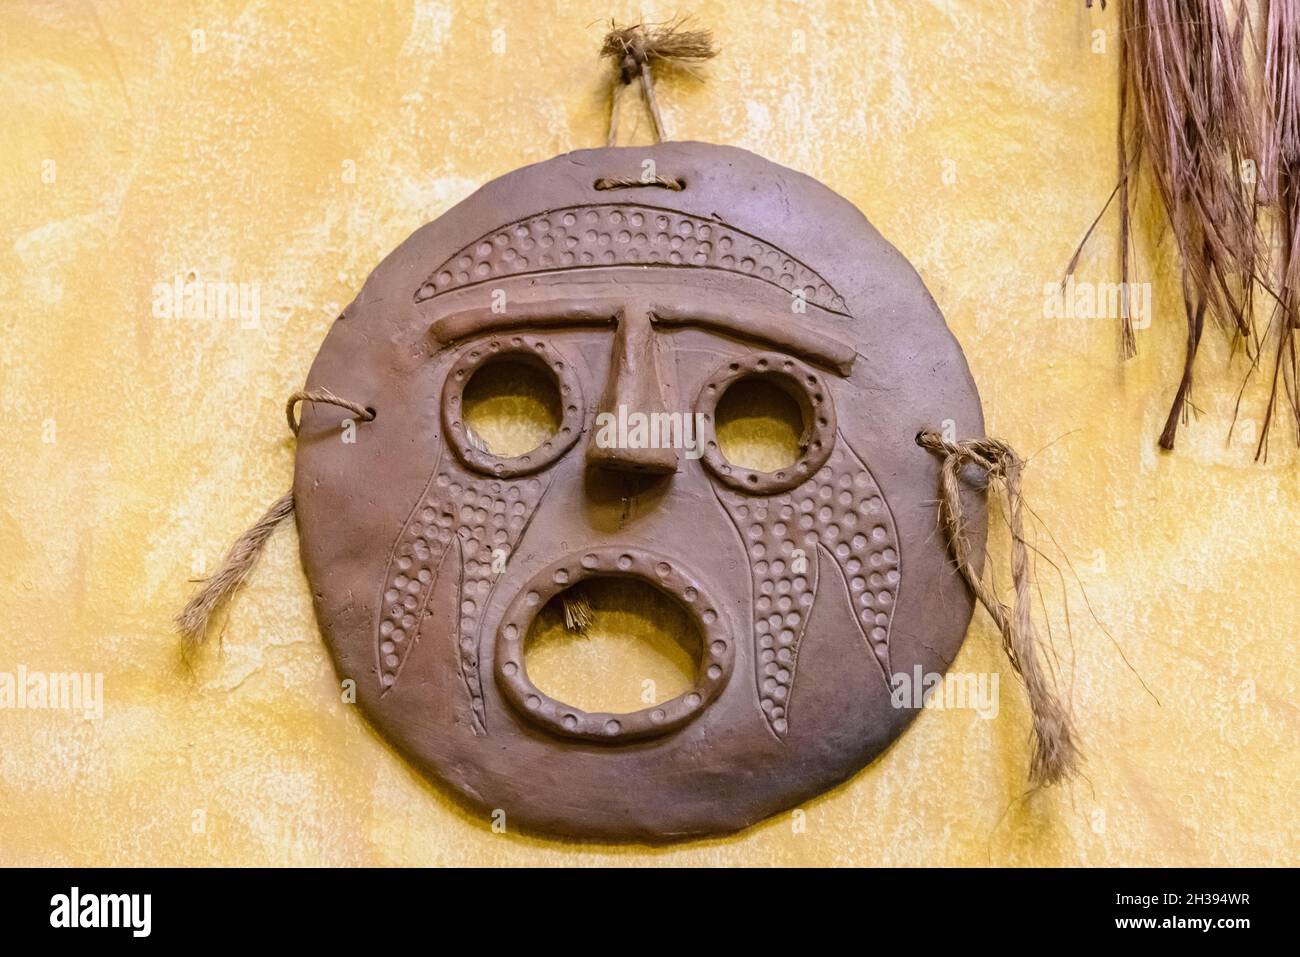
(578,615)
(1056,756)
(644,43)
(193,621)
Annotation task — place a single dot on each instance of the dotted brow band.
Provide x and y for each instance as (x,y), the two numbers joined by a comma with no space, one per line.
(624,234)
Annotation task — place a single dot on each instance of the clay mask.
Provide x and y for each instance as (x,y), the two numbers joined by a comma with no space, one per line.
(810,587)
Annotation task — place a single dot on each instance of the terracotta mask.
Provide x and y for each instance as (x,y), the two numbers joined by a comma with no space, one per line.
(429,557)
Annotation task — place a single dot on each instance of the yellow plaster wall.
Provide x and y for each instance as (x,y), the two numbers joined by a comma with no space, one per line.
(292,145)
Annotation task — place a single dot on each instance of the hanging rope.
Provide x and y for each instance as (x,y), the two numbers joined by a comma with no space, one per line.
(238,562)
(1056,756)
(635,50)
(327,397)
(235,567)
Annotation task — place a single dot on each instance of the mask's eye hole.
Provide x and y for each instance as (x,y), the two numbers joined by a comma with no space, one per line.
(511,405)
(769,423)
(759,425)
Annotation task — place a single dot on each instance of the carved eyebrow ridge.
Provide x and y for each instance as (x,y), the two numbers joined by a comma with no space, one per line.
(800,341)
(480,320)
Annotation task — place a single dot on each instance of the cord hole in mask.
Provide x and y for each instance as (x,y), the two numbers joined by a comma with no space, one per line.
(759,425)
(633,646)
(511,407)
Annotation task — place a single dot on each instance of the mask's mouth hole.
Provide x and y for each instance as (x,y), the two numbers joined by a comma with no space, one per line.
(759,425)
(511,406)
(637,648)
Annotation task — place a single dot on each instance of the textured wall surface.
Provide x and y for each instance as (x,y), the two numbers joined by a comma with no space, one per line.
(288,147)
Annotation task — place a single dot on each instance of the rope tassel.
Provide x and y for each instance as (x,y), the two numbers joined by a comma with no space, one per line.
(235,567)
(1056,755)
(636,49)
(238,562)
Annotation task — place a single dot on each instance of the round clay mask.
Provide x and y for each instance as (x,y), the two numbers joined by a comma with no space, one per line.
(644,308)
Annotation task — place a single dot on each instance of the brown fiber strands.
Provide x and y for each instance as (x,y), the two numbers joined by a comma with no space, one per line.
(1190,124)
(1280,188)
(1056,755)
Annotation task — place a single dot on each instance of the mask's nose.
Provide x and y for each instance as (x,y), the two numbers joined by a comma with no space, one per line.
(634,385)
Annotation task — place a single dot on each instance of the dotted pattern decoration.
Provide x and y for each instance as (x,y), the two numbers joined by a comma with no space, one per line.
(581,237)
(717,641)
(468,520)
(838,514)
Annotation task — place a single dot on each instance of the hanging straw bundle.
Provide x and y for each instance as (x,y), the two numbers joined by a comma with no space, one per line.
(1280,187)
(1187,121)
(638,49)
